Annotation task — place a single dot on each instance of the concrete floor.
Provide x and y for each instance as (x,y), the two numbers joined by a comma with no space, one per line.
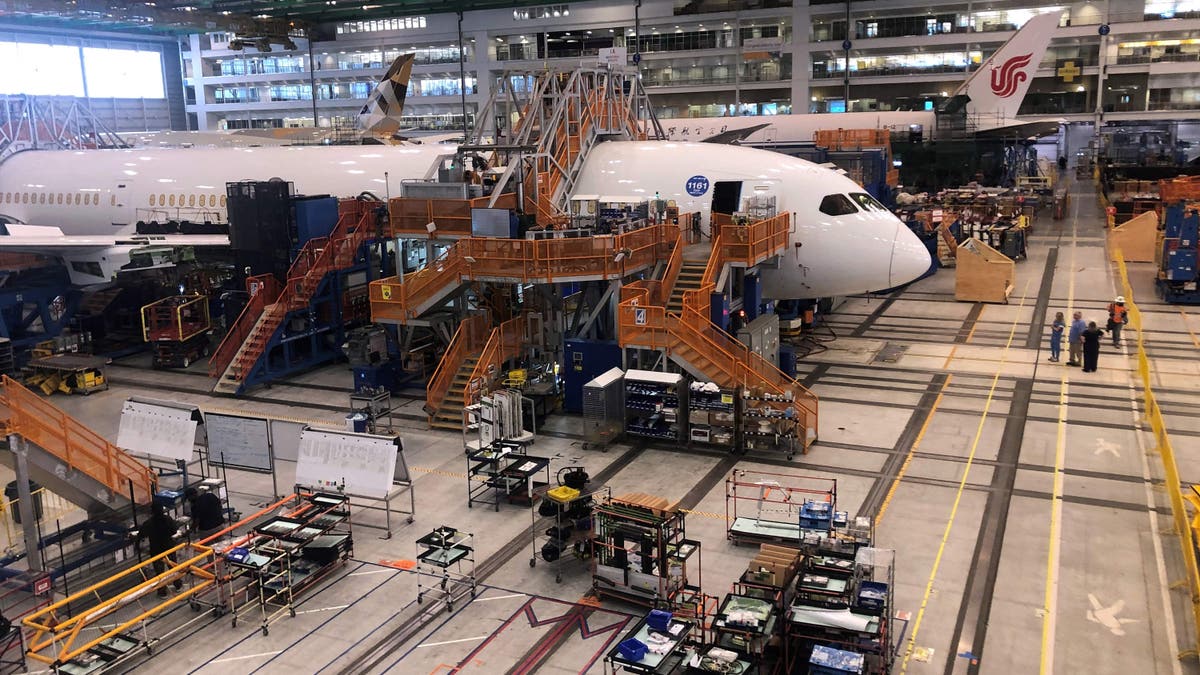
(1019,495)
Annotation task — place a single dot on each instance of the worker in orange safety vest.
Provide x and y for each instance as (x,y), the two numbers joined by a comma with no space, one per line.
(1118,316)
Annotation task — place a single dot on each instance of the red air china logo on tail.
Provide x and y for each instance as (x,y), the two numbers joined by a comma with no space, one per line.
(1006,78)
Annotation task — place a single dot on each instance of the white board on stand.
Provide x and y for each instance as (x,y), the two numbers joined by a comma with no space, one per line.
(158,430)
(359,464)
(238,442)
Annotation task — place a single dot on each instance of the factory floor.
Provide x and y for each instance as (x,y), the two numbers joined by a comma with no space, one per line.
(1023,500)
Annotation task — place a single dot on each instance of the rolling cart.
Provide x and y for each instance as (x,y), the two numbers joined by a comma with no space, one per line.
(445,566)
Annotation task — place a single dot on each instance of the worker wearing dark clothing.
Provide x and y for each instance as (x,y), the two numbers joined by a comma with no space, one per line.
(1091,347)
(159,531)
(206,512)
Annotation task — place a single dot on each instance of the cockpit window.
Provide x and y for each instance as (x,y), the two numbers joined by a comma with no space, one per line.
(867,202)
(837,205)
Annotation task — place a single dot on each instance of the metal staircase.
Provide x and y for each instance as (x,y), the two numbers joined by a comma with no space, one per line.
(559,119)
(67,457)
(688,335)
(446,387)
(691,277)
(255,330)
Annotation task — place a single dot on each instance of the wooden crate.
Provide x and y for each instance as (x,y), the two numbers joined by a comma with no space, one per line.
(1136,238)
(983,274)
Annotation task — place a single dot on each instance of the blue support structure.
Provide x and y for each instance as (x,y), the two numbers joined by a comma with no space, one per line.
(313,336)
(1178,279)
(719,311)
(37,305)
(751,296)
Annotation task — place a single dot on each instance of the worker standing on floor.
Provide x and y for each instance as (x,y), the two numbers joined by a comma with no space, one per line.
(1056,336)
(1075,339)
(206,512)
(1091,347)
(159,531)
(1118,316)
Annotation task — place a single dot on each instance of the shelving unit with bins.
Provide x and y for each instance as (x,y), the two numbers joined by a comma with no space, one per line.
(503,471)
(288,554)
(641,553)
(445,566)
(654,405)
(848,608)
(569,538)
(669,657)
(712,415)
(770,424)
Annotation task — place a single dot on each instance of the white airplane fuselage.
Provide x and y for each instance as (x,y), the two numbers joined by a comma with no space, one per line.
(106,192)
(827,255)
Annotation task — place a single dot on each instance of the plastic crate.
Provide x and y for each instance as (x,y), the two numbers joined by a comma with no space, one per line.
(632,649)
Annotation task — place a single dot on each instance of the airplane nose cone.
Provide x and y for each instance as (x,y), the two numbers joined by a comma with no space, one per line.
(910,258)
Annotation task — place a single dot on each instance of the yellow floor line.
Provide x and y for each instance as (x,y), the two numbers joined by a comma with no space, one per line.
(949,357)
(1050,601)
(883,506)
(1195,340)
(962,486)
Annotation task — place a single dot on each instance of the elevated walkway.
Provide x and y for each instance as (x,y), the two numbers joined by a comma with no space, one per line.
(519,261)
(68,458)
(260,324)
(690,339)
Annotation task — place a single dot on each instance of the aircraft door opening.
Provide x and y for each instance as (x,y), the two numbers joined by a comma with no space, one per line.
(727,196)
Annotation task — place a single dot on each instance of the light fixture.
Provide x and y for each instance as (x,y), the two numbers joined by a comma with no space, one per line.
(1079,88)
(469,260)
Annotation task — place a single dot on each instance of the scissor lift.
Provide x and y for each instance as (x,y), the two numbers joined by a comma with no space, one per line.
(178,329)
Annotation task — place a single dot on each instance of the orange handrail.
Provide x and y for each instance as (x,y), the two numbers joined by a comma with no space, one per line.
(179,317)
(264,290)
(504,343)
(520,261)
(643,323)
(45,425)
(670,275)
(469,338)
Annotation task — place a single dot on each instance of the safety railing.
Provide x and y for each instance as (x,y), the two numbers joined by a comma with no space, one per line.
(504,343)
(410,217)
(38,421)
(470,337)
(175,318)
(264,290)
(1183,188)
(520,261)
(1171,480)
(57,640)
(670,275)
(753,243)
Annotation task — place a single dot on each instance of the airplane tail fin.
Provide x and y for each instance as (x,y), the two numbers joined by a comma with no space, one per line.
(999,85)
(381,114)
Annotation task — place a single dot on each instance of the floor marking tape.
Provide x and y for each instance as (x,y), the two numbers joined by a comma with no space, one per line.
(962,485)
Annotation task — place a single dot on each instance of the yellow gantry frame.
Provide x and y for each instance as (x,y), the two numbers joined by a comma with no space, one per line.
(56,642)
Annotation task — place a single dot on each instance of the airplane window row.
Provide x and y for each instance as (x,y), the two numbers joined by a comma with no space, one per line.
(163,199)
(84,198)
(841,205)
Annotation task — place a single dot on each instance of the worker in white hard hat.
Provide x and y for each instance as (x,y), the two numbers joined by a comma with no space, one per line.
(1118,316)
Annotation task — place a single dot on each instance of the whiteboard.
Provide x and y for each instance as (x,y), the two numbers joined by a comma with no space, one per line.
(158,430)
(364,464)
(285,439)
(238,442)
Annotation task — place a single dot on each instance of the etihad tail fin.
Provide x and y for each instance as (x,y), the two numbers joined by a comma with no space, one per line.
(999,85)
(381,114)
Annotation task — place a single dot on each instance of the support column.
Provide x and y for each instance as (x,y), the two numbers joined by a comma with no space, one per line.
(20,449)
(801,57)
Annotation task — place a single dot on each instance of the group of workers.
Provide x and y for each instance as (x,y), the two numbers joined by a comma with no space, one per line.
(1084,337)
(161,530)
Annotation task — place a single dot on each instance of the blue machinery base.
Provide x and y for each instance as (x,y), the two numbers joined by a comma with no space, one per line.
(313,336)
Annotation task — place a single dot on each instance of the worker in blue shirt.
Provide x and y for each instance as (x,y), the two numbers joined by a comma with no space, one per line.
(1075,339)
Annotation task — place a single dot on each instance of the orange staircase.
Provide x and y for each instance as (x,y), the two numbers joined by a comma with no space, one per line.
(457,364)
(264,290)
(67,457)
(689,336)
(318,258)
